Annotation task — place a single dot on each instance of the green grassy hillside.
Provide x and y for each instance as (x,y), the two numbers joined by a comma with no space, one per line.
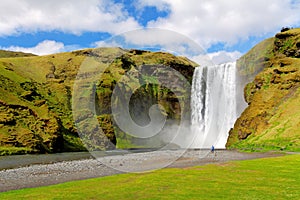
(36,97)
(272,119)
(7,54)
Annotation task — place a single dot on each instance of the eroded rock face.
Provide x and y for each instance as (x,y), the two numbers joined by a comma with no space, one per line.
(22,127)
(36,98)
(141,69)
(271,120)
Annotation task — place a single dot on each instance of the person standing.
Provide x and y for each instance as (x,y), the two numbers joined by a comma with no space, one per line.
(213,151)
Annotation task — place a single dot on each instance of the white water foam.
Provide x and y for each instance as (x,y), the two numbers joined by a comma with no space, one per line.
(213,104)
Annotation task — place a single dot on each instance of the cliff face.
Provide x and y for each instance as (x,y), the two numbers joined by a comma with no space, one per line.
(272,118)
(36,98)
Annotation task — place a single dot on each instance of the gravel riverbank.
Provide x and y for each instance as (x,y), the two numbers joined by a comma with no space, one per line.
(83,167)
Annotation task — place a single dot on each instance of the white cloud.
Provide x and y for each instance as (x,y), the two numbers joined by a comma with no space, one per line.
(153,38)
(73,16)
(203,21)
(224,56)
(43,48)
(209,22)
(159,4)
(108,43)
(217,58)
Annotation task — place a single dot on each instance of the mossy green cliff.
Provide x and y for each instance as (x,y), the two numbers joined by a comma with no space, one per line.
(36,97)
(272,118)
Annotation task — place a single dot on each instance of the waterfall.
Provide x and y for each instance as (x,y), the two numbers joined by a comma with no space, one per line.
(213,104)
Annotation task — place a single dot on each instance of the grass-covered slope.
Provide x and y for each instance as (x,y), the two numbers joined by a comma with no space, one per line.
(35,113)
(272,119)
(36,96)
(7,54)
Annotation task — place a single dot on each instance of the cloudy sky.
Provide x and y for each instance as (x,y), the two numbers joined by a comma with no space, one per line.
(223,29)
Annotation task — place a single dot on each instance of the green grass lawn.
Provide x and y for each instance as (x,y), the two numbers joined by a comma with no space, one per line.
(268,178)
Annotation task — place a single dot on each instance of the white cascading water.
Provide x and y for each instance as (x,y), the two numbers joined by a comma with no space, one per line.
(213,104)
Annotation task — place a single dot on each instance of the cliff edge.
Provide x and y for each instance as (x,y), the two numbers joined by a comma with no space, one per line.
(271,120)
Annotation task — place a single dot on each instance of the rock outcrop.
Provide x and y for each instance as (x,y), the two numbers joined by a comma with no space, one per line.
(272,119)
(36,93)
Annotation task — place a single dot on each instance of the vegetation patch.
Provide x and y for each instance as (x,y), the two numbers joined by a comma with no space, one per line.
(271,121)
(36,94)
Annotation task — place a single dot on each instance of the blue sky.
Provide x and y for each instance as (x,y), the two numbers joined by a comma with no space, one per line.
(223,29)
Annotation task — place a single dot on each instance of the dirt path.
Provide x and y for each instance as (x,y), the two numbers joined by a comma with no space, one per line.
(62,171)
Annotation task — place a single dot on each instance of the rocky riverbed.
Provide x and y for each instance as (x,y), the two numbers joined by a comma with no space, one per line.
(48,173)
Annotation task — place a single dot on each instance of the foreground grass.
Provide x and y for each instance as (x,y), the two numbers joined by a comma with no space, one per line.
(268,178)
